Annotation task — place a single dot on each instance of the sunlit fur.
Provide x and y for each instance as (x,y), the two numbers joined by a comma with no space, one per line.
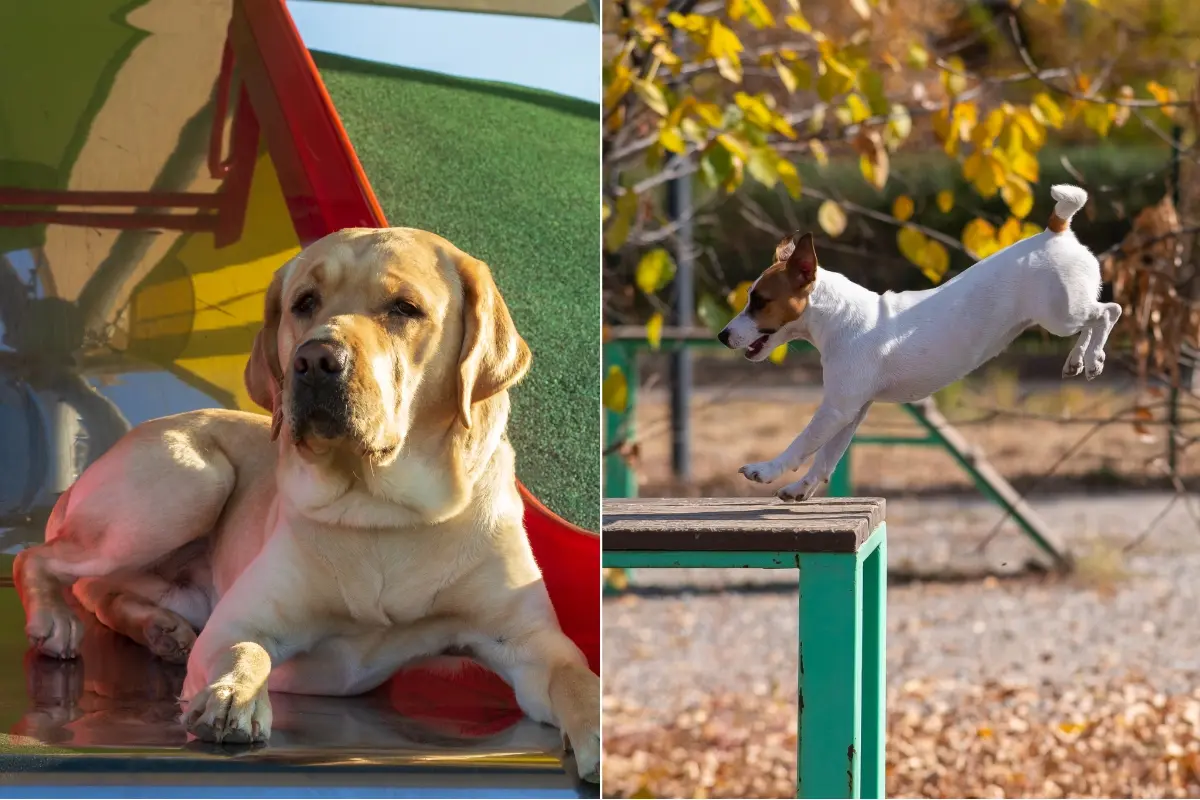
(902,347)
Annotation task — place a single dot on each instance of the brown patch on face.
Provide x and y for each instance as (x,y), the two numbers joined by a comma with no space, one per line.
(781,293)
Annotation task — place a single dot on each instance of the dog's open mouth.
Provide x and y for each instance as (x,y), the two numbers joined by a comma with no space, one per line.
(756,346)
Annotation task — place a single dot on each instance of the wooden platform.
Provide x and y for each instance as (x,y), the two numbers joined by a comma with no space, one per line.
(826,525)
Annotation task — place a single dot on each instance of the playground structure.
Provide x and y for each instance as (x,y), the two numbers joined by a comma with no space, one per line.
(624,343)
(161,161)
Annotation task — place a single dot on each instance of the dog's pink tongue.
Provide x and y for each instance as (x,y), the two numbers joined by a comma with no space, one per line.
(756,346)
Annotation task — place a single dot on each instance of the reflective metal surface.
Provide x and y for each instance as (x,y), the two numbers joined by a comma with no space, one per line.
(110,717)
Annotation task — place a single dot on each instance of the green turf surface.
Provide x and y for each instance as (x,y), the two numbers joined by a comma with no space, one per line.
(512,176)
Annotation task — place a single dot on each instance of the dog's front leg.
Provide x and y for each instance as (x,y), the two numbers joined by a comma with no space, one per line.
(825,462)
(831,417)
(260,620)
(553,685)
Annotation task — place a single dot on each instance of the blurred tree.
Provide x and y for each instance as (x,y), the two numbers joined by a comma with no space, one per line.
(741,91)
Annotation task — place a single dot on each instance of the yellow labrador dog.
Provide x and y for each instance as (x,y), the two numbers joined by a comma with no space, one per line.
(384,525)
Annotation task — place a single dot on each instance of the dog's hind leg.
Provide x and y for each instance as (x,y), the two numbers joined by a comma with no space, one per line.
(136,606)
(1074,364)
(1109,313)
(114,520)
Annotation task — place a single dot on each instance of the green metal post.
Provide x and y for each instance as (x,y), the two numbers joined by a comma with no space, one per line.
(828,762)
(874,664)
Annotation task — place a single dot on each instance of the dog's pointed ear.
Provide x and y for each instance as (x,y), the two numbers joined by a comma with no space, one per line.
(800,255)
(263,376)
(493,355)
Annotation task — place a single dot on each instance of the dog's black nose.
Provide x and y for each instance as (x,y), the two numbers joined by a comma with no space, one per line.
(723,337)
(317,360)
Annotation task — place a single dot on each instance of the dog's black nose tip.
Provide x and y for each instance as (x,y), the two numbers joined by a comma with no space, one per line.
(316,360)
(723,338)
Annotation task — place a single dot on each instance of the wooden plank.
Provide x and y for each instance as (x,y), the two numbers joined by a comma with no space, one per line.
(827,525)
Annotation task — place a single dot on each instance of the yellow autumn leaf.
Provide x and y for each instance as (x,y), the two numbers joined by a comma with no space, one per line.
(622,80)
(979,237)
(902,208)
(858,108)
(797,22)
(873,161)
(912,243)
(655,270)
(1009,233)
(918,56)
(1162,94)
(945,201)
(654,328)
(1099,117)
(1046,111)
(787,76)
(671,139)
(740,295)
(831,218)
(953,80)
(789,177)
(1030,229)
(755,12)
(1018,195)
(614,390)
(1071,728)
(777,355)
(935,260)
(652,95)
(817,148)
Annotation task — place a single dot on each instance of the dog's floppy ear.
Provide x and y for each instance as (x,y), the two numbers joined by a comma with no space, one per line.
(800,255)
(263,376)
(493,355)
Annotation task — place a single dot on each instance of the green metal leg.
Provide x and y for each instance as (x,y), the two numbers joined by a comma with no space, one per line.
(874,664)
(831,692)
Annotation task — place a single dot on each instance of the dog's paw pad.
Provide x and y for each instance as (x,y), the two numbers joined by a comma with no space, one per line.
(761,472)
(170,640)
(1072,368)
(798,492)
(54,630)
(1095,366)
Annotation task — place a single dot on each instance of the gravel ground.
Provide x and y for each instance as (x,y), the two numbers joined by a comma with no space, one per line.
(1002,682)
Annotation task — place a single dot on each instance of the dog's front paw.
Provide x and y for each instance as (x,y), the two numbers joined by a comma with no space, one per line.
(1073,367)
(586,747)
(762,471)
(799,491)
(229,713)
(54,630)
(1095,365)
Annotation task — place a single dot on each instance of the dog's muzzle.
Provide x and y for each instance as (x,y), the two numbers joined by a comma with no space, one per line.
(320,389)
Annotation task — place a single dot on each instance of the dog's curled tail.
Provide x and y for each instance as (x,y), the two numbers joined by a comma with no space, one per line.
(1069,200)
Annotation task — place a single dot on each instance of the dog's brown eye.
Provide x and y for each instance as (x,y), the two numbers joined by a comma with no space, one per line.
(403,308)
(305,304)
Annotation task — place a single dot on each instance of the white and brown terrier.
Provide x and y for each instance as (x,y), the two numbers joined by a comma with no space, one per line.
(902,347)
